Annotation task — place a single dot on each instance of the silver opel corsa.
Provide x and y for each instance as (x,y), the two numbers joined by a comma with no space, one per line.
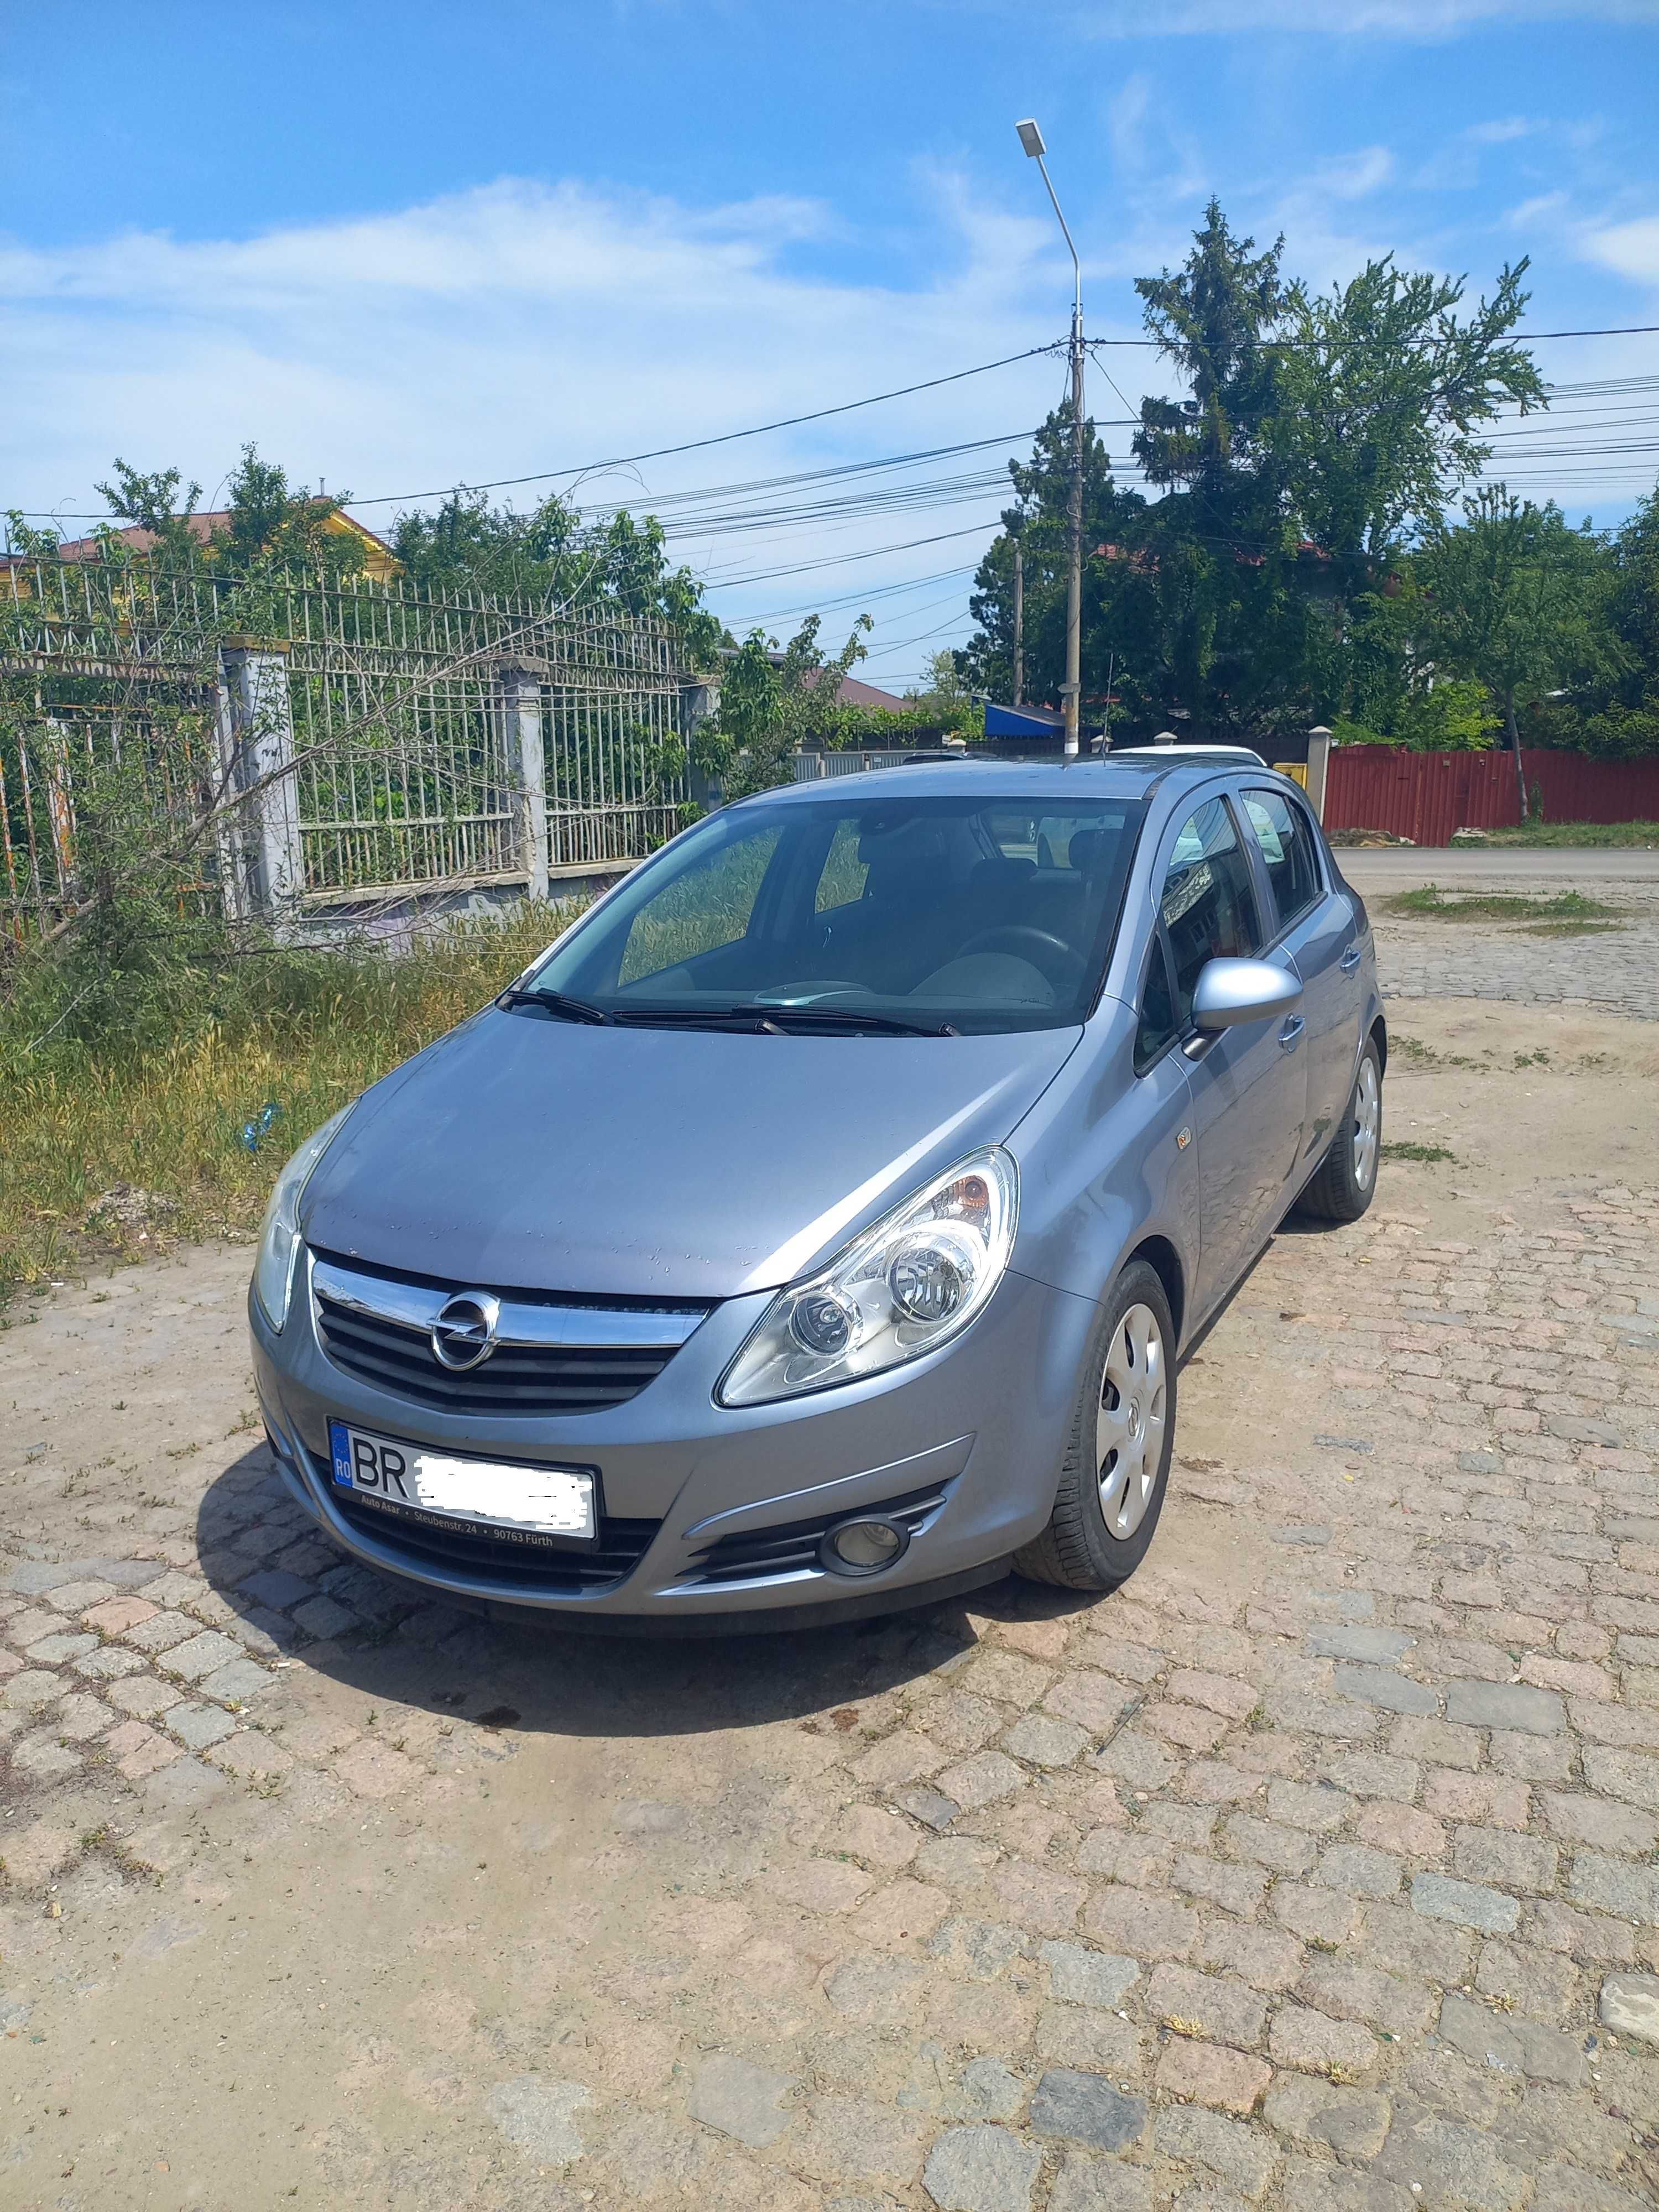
(819,1225)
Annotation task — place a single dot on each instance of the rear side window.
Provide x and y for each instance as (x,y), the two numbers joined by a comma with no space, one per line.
(1287,848)
(1209,900)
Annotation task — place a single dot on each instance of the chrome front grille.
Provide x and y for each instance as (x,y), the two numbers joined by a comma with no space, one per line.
(551,1355)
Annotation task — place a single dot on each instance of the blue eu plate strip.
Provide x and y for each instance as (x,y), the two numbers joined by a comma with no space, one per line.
(339,1445)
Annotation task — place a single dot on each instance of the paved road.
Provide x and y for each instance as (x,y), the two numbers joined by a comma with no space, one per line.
(1612,968)
(1316,1870)
(1401,867)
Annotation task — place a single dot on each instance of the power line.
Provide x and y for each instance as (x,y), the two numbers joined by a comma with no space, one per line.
(836,560)
(725,438)
(1297,345)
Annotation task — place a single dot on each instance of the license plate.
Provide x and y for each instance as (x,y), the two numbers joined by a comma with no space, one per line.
(413,1478)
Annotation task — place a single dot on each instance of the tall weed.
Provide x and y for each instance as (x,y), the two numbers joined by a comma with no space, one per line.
(111,1074)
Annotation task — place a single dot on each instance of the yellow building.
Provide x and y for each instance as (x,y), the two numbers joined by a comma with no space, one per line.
(380,562)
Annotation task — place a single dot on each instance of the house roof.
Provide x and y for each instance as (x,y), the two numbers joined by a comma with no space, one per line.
(378,559)
(852,693)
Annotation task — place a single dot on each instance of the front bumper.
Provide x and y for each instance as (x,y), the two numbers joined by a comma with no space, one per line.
(969,1439)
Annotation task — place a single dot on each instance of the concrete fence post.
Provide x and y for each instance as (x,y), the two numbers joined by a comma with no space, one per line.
(521,710)
(700,700)
(1319,756)
(261,846)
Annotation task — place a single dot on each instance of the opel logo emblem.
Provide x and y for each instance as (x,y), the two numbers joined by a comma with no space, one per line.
(464,1334)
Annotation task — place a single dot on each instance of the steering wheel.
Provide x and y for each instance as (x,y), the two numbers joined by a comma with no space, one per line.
(1022,939)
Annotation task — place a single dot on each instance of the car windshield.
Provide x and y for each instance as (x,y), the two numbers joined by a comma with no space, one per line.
(937,913)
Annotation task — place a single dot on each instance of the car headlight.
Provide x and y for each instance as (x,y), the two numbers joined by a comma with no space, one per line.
(903,1287)
(279,1239)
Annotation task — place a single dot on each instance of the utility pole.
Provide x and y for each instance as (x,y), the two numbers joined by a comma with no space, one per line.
(1031,139)
(1019,622)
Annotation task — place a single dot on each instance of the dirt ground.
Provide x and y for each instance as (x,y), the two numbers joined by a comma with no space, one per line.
(1316,1869)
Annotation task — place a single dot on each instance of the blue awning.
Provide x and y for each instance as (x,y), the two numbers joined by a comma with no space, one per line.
(1023,721)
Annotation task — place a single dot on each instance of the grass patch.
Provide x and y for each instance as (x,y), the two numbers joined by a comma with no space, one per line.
(1425,1155)
(1554,834)
(306,1030)
(1567,909)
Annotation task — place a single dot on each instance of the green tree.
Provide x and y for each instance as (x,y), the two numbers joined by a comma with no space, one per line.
(771,704)
(270,521)
(1116,587)
(944,699)
(1381,394)
(1323,433)
(154,503)
(551,553)
(27,542)
(1611,709)
(1513,598)
(1213,318)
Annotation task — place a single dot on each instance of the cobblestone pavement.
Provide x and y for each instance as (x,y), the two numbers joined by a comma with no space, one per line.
(1315,1870)
(1614,971)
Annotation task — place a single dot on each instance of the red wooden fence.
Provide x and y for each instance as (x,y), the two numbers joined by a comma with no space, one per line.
(1427,796)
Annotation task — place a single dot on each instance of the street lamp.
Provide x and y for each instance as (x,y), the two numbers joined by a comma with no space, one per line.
(1031,139)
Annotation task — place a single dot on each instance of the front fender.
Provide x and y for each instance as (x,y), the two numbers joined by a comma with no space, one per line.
(1103,1166)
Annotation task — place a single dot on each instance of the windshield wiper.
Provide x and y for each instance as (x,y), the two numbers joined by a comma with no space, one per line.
(851,1017)
(775,1016)
(556,1002)
(766,1015)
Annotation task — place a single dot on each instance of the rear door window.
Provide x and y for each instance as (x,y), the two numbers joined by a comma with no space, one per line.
(1287,850)
(1208,900)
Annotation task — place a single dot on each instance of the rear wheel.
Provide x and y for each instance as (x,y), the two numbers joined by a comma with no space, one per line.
(1343,1187)
(1116,1466)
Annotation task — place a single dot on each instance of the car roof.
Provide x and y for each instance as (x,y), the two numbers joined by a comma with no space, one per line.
(1118,775)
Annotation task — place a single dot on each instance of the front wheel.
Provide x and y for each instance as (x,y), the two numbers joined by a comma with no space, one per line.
(1116,1466)
(1346,1178)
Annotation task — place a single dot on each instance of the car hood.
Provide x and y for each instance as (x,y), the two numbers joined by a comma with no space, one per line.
(524,1153)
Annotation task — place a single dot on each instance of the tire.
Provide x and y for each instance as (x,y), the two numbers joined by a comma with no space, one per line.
(1345,1181)
(1132,1344)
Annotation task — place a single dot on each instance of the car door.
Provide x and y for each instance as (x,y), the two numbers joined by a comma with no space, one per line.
(1316,925)
(1248,1084)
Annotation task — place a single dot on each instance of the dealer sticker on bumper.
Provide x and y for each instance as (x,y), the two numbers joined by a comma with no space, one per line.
(546,1501)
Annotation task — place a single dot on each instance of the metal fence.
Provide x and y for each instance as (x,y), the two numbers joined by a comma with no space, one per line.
(810,767)
(308,739)
(608,799)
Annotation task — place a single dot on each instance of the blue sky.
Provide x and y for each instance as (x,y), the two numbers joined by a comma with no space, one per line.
(403,246)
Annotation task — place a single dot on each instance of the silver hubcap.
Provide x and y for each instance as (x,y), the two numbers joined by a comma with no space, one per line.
(1129,1427)
(1367,1123)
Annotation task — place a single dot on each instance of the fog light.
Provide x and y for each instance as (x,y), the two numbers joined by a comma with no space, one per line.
(864,1548)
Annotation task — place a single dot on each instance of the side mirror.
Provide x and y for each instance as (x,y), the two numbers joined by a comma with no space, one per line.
(1229,992)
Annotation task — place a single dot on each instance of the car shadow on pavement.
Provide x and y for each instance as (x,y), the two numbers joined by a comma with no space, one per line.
(297,1599)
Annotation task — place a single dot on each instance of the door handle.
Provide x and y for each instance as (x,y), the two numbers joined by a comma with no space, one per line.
(1349,960)
(1291,1035)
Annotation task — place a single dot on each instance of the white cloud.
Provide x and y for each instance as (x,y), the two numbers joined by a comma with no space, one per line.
(1503,132)
(521,327)
(1630,248)
(1425,19)
(1127,121)
(1354,176)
